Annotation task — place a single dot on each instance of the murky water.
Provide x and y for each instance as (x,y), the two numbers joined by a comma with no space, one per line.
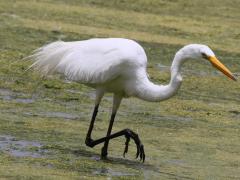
(21,148)
(8,95)
(110,172)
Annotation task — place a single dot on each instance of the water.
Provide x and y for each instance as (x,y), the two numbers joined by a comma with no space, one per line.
(110,172)
(21,148)
(8,95)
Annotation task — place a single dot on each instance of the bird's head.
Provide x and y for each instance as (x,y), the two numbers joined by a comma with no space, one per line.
(199,51)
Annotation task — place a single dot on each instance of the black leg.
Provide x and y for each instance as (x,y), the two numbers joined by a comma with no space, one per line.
(88,137)
(116,102)
(129,134)
(105,147)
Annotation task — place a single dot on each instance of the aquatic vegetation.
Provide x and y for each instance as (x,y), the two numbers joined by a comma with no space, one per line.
(43,121)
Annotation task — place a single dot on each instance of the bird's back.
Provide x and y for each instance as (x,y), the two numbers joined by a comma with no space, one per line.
(93,61)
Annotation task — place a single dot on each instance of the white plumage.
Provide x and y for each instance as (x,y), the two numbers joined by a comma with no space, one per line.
(91,61)
(119,66)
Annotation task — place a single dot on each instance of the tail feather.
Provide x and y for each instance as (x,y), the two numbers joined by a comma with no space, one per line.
(87,62)
(47,58)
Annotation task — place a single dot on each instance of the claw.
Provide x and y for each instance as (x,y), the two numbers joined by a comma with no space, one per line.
(138,152)
(142,155)
(140,148)
(126,146)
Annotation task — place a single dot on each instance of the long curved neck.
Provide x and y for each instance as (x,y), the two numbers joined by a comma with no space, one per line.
(152,92)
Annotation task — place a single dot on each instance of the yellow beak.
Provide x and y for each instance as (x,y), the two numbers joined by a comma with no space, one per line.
(216,63)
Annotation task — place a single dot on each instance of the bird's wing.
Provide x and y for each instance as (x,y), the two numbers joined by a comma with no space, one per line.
(84,62)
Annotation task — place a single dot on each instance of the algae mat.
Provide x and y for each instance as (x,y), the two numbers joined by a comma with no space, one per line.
(43,122)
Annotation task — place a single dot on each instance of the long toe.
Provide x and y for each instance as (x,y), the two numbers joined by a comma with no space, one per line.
(126,145)
(138,151)
(142,154)
(129,134)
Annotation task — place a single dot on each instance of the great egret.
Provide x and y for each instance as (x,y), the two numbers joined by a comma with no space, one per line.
(118,66)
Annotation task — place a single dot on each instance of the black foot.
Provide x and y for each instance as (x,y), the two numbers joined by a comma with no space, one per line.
(104,153)
(140,148)
(129,134)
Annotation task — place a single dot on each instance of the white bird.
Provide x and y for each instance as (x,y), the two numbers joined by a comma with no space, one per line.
(118,66)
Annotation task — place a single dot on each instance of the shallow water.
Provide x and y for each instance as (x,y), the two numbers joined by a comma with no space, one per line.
(110,172)
(9,95)
(25,100)
(21,148)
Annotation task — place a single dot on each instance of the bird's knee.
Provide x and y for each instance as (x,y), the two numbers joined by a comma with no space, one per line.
(89,142)
(128,131)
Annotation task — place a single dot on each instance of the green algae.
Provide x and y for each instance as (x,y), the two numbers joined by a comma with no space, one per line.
(194,135)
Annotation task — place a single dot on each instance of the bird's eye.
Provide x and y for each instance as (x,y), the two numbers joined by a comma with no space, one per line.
(205,56)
